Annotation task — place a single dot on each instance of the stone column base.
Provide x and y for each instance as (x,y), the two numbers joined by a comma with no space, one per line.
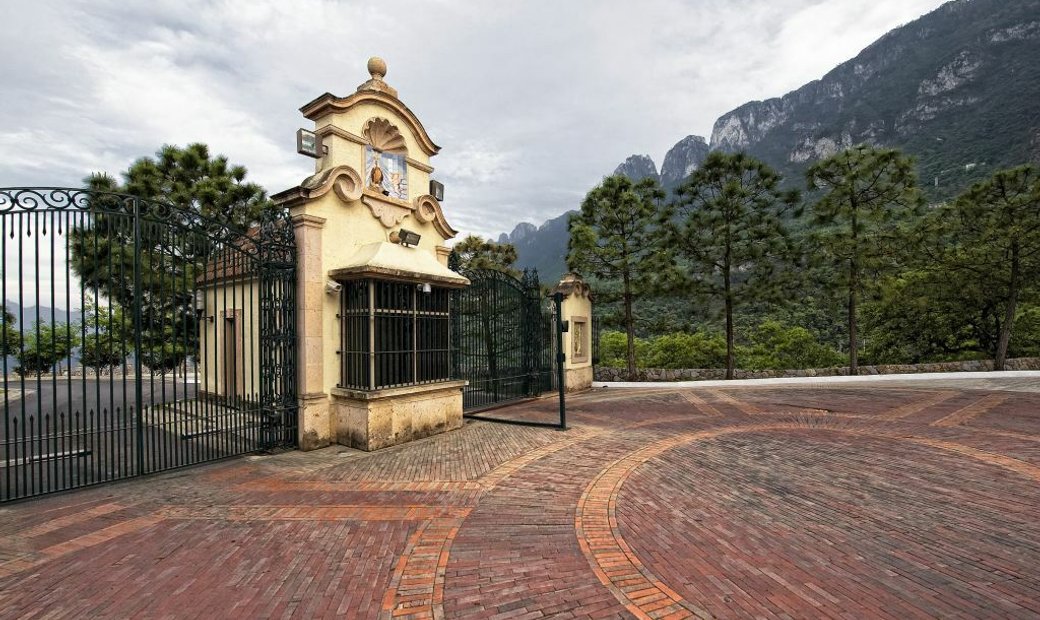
(314,429)
(383,418)
(577,379)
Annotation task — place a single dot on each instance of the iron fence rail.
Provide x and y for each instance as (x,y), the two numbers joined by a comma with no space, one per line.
(138,337)
(504,340)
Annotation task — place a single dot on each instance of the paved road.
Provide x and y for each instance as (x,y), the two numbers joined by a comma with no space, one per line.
(836,501)
(64,433)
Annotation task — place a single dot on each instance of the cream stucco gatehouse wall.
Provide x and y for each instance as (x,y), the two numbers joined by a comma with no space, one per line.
(373,283)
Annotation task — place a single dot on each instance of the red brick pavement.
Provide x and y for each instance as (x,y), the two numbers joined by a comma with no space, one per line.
(798,502)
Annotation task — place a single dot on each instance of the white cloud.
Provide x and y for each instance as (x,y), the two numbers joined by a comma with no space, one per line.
(532,101)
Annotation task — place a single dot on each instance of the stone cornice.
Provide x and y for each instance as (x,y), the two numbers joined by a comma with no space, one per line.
(308,221)
(329,103)
(331,130)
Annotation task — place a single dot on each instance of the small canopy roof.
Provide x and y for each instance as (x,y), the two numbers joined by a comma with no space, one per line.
(388,260)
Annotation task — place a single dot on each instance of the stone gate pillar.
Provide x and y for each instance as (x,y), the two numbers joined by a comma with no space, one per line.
(373,282)
(577,341)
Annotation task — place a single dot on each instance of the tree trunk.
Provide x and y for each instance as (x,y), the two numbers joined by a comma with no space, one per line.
(630,329)
(729,331)
(853,292)
(853,348)
(1009,310)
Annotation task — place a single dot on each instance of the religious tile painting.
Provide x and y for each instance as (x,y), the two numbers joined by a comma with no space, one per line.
(386,173)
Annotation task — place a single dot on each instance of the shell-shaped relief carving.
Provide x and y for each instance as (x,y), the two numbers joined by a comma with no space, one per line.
(384,136)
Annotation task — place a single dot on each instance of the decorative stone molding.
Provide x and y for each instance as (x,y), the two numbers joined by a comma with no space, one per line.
(572,284)
(427,209)
(332,130)
(343,179)
(389,212)
(383,136)
(329,103)
(348,185)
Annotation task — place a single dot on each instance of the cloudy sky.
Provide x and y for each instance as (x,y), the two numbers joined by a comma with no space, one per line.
(532,101)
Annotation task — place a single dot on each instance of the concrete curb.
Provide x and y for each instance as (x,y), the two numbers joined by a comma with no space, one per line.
(810,381)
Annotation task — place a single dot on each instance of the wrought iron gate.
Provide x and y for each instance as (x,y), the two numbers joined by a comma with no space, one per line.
(503,339)
(139,337)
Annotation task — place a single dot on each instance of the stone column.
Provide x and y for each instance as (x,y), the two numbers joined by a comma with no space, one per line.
(315,430)
(577,341)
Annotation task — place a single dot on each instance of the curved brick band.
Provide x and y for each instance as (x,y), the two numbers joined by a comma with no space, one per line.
(417,586)
(632,583)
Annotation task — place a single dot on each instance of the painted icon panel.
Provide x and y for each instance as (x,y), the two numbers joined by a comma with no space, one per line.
(386,173)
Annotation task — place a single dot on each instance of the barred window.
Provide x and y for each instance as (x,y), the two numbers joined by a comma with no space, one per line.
(393,334)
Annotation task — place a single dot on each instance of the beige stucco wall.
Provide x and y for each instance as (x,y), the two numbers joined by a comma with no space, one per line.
(238,298)
(578,310)
(577,341)
(347,227)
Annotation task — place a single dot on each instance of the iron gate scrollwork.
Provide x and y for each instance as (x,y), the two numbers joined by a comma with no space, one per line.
(503,339)
(139,336)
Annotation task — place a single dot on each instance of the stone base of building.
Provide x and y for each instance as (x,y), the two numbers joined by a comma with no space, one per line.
(314,429)
(383,418)
(577,379)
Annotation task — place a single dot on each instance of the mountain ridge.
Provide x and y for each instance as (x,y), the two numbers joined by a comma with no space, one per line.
(958,89)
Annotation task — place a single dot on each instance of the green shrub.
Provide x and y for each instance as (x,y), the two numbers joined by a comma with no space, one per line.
(1025,337)
(774,346)
(682,350)
(613,347)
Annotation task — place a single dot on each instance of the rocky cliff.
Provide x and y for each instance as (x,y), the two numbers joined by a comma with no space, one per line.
(958,89)
(637,168)
(682,159)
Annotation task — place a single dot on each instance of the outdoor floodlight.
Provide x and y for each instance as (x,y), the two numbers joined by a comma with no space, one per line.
(424,287)
(308,143)
(405,237)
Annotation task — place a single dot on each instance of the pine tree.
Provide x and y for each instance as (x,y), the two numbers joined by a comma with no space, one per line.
(866,193)
(616,236)
(731,235)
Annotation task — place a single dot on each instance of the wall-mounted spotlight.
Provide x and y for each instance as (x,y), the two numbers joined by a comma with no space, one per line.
(405,237)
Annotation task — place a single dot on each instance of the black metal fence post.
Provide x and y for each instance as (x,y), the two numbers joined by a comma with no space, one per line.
(138,387)
(561,358)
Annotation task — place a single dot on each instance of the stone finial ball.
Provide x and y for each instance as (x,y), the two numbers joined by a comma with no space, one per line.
(376,67)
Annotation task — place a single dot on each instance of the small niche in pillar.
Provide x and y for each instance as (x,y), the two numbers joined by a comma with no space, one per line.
(579,339)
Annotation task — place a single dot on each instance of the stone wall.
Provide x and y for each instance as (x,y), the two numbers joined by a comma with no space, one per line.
(706,374)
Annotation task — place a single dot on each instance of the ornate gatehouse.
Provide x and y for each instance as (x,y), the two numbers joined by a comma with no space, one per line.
(374,281)
(151,337)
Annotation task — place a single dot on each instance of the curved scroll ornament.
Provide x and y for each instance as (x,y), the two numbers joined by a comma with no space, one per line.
(348,184)
(95,202)
(428,210)
(384,137)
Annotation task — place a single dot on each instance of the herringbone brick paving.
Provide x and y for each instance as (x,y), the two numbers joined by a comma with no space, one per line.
(832,501)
